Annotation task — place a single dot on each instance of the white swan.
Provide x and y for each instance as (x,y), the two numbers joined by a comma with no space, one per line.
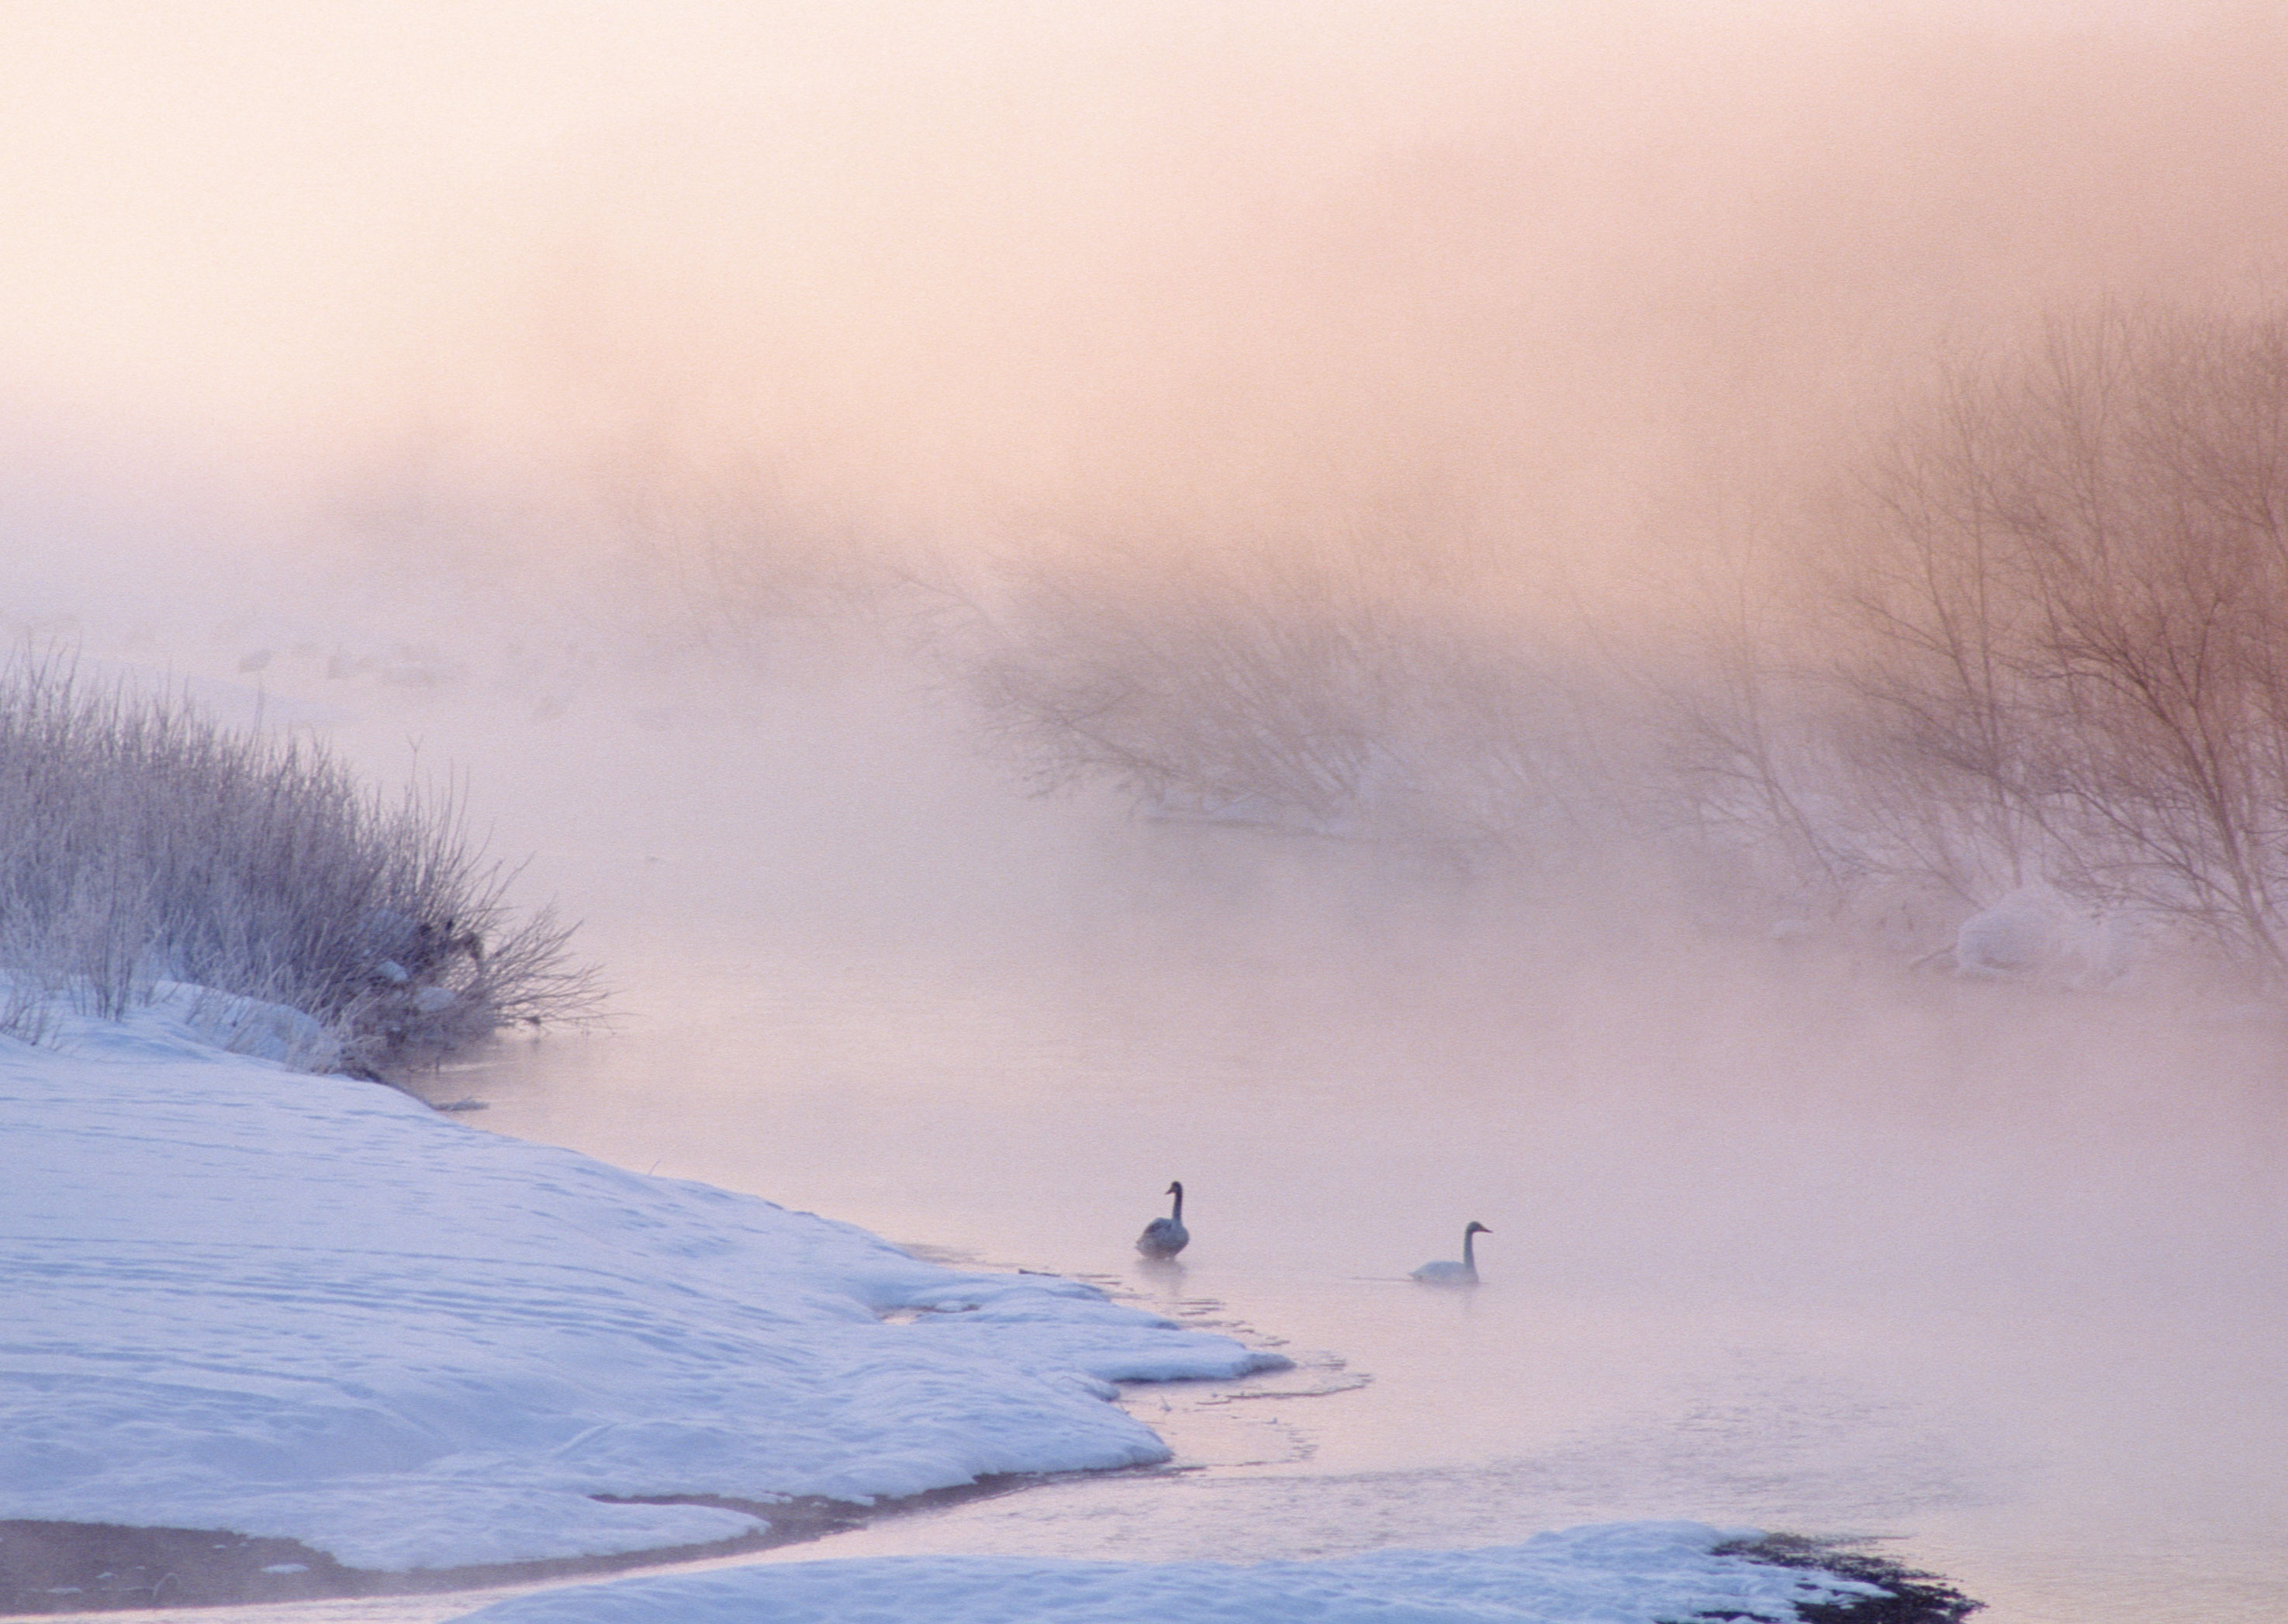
(1463,1274)
(1166,1237)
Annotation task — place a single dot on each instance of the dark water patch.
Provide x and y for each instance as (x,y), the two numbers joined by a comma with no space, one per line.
(1910,1595)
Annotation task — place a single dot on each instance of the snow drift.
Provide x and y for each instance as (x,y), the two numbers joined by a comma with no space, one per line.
(248,1298)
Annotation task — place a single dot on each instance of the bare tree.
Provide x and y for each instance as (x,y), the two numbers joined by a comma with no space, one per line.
(2067,589)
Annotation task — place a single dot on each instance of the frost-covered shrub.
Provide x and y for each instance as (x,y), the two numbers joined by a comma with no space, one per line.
(142,842)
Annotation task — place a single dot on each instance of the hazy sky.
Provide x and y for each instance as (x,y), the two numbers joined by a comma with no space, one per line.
(1564,269)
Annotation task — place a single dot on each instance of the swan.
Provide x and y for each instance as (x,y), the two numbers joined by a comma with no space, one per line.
(1463,1274)
(1166,1237)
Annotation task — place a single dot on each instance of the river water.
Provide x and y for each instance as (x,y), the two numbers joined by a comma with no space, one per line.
(1783,1235)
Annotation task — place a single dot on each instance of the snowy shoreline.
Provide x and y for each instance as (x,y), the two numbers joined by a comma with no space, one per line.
(306,1307)
(1608,1573)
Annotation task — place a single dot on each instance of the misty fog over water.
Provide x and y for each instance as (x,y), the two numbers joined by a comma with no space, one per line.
(1785,1234)
(1365,613)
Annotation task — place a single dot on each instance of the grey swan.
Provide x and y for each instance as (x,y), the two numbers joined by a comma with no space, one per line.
(1166,1237)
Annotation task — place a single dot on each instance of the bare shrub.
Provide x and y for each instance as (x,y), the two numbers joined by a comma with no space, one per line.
(140,842)
(1248,685)
(1312,689)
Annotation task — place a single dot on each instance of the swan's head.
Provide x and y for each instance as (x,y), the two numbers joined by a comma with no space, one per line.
(1475,1228)
(1175,1188)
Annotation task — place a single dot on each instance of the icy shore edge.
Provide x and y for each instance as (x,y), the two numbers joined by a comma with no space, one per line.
(306,1307)
(1611,1573)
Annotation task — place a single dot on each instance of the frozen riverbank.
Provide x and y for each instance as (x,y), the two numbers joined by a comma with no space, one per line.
(309,1308)
(1619,1573)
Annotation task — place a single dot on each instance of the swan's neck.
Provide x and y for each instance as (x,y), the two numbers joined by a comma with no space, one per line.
(1179,1193)
(1470,1250)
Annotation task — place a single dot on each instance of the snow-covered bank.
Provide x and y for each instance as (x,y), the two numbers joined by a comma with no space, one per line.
(1616,1573)
(242,1297)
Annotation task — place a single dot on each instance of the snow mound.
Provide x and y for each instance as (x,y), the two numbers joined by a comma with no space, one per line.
(2037,933)
(253,1027)
(1614,1574)
(243,1297)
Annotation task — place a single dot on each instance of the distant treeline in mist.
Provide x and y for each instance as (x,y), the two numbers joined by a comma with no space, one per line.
(141,842)
(2037,636)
